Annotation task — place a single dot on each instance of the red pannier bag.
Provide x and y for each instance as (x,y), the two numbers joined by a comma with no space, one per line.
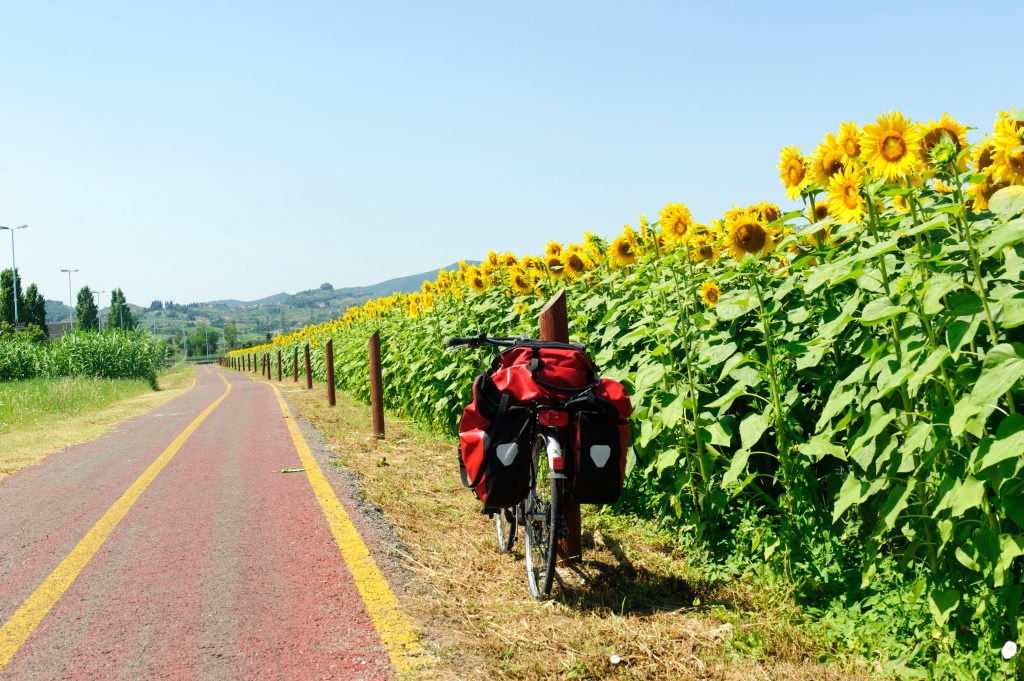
(600,442)
(495,437)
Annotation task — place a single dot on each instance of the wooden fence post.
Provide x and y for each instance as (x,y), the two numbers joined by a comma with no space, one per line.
(278,366)
(329,350)
(376,386)
(295,365)
(309,374)
(554,326)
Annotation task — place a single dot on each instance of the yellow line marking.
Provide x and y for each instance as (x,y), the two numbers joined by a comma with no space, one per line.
(23,622)
(395,631)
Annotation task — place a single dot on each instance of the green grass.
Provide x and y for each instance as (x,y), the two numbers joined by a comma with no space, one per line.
(24,403)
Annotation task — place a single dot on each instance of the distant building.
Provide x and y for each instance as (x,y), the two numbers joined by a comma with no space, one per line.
(57,329)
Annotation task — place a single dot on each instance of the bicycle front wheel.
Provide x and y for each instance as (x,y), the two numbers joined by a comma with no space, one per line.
(541,519)
(505,524)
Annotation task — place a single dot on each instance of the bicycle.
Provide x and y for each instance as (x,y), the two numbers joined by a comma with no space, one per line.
(540,512)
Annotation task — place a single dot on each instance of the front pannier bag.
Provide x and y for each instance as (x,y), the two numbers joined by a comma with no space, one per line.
(494,446)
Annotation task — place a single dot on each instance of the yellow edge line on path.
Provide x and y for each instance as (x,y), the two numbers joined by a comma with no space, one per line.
(395,630)
(23,622)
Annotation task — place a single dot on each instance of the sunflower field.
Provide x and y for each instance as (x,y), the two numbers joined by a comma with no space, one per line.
(833,393)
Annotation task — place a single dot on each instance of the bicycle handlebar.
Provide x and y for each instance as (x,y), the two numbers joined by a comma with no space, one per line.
(476,341)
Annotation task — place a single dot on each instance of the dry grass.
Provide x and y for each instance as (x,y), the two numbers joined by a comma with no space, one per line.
(630,597)
(54,426)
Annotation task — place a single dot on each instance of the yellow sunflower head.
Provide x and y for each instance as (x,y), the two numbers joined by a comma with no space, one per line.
(981,192)
(827,160)
(532,262)
(555,265)
(703,247)
(427,287)
(645,229)
(932,134)
(476,280)
(849,141)
(746,235)
(553,248)
(676,221)
(983,154)
(1008,151)
(710,293)
(520,281)
(769,211)
(845,200)
(520,308)
(892,146)
(487,268)
(508,260)
(622,252)
(577,262)
(794,171)
(492,258)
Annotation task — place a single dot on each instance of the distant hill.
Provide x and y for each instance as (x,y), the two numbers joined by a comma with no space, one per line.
(269,300)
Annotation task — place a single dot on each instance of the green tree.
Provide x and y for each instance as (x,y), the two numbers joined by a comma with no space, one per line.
(203,340)
(230,335)
(120,315)
(86,311)
(35,307)
(7,282)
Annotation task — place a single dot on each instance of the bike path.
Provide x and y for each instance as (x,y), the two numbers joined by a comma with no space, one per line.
(224,567)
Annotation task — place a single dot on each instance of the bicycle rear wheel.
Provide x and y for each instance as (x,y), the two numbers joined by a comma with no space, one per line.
(506,526)
(541,515)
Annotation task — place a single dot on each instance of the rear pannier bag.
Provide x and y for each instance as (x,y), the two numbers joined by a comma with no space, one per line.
(601,439)
(494,446)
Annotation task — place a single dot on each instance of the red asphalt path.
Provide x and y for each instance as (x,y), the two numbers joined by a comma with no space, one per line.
(225,568)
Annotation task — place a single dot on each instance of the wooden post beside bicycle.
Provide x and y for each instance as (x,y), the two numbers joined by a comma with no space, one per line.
(376,386)
(554,326)
(295,365)
(329,352)
(309,374)
(278,366)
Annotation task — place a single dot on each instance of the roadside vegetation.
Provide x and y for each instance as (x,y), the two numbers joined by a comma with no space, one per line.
(114,354)
(826,399)
(40,416)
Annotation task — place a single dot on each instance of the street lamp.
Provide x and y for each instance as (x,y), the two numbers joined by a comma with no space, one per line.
(97,294)
(14,270)
(72,307)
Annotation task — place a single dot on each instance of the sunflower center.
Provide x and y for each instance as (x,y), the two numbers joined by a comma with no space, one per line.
(985,158)
(1015,159)
(751,237)
(706,252)
(795,172)
(892,146)
(852,147)
(711,294)
(851,197)
(832,163)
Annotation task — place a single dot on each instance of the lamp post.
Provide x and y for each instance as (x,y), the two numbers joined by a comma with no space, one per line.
(100,320)
(72,307)
(14,269)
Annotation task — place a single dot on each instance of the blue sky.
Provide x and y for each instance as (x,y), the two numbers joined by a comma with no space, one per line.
(200,150)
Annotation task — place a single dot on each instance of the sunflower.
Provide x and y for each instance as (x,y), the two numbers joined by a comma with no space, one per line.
(794,171)
(676,221)
(520,308)
(487,268)
(622,252)
(769,211)
(645,229)
(932,133)
(703,247)
(983,154)
(844,198)
(532,262)
(492,258)
(827,160)
(900,203)
(520,281)
(427,287)
(1008,152)
(577,262)
(476,280)
(555,265)
(508,260)
(981,192)
(748,235)
(553,248)
(892,147)
(819,213)
(849,141)
(710,293)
